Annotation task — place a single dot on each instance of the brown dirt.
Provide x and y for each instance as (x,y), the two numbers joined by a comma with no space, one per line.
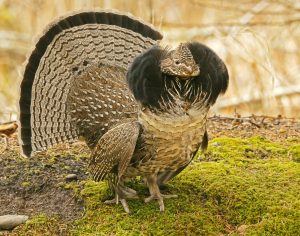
(38,185)
(276,129)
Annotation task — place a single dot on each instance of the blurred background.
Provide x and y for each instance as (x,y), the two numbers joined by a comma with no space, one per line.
(258,40)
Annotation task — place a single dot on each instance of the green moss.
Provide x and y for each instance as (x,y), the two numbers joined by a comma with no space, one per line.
(52,160)
(41,225)
(294,152)
(237,150)
(37,220)
(25,184)
(239,186)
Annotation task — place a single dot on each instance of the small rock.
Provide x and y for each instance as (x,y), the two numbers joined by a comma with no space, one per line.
(216,144)
(8,222)
(282,130)
(242,229)
(71,177)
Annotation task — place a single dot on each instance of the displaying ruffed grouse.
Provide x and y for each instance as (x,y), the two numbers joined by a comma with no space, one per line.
(141,108)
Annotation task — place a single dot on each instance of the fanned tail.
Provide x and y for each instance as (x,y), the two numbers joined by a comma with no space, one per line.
(66,49)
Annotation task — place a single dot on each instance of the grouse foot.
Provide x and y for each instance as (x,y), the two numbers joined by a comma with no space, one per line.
(121,194)
(116,200)
(155,193)
(160,200)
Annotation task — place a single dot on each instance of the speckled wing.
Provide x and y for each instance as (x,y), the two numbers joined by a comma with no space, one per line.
(114,151)
(98,100)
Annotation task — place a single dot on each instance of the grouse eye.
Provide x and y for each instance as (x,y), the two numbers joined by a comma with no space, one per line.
(177,62)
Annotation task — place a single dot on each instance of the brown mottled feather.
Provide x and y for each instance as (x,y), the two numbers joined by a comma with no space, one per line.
(98,100)
(114,151)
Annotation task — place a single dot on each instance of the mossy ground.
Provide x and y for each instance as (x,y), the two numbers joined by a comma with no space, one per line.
(240,186)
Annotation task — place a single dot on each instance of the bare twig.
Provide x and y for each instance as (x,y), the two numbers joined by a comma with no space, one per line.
(253,123)
(250,118)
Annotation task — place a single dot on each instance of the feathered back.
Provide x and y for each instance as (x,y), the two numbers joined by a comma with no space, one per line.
(66,48)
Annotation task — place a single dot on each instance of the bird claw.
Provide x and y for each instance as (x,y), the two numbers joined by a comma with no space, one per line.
(112,201)
(125,205)
(116,201)
(160,200)
(121,194)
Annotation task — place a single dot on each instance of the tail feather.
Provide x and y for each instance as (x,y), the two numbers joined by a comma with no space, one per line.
(64,51)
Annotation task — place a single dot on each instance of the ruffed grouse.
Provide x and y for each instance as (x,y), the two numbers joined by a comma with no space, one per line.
(141,108)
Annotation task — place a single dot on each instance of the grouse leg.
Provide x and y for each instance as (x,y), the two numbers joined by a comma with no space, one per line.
(155,192)
(121,194)
(6,144)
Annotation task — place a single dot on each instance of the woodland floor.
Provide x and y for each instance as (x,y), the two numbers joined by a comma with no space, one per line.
(246,183)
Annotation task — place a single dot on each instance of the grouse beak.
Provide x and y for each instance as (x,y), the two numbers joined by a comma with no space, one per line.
(191,72)
(195,72)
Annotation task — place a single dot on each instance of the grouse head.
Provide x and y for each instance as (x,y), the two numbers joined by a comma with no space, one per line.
(180,62)
(192,71)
